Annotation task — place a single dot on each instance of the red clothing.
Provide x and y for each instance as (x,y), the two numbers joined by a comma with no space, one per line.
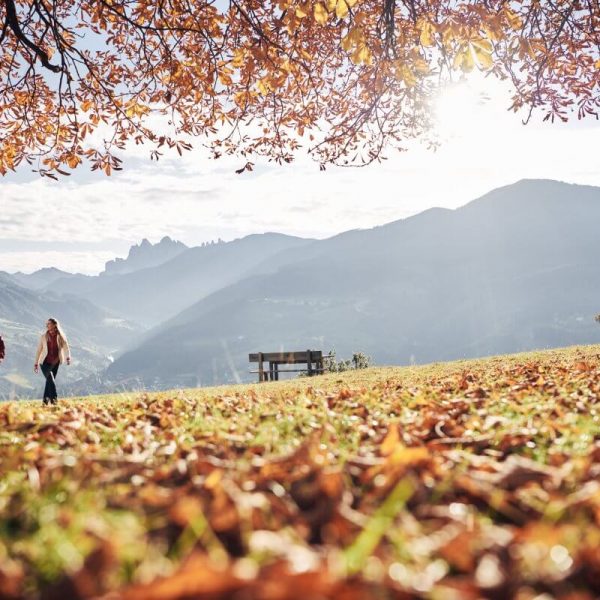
(53,357)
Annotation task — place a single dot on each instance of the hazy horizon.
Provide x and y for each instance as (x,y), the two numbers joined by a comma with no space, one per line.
(156,239)
(80,222)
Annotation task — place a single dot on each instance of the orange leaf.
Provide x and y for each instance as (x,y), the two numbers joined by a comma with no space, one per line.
(391,441)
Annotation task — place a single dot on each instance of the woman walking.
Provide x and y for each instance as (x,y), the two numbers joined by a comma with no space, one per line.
(52,351)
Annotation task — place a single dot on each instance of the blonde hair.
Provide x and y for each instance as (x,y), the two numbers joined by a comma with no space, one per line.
(59,330)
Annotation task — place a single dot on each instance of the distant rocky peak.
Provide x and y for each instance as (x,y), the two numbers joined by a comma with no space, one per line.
(144,247)
(145,255)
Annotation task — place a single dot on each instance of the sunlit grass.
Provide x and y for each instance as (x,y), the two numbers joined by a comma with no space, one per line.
(148,478)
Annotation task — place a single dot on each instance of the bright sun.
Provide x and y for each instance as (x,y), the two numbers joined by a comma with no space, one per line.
(459,110)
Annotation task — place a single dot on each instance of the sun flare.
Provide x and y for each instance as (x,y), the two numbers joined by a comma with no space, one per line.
(459,110)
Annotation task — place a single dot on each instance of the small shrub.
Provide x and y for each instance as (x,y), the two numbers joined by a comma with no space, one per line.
(359,360)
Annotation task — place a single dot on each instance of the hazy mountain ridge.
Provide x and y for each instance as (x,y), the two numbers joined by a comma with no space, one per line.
(145,255)
(41,278)
(155,294)
(513,270)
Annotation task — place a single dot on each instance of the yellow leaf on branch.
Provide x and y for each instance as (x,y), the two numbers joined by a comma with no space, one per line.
(362,55)
(263,87)
(321,14)
(134,109)
(427,34)
(353,38)
(73,160)
(343,7)
(302,11)
(238,57)
(225,79)
(493,30)
(404,73)
(347,42)
(22,98)
(482,44)
(514,20)
(484,60)
(482,49)
(243,99)
(421,66)
(463,60)
(409,77)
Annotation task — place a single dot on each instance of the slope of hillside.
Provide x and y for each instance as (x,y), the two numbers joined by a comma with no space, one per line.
(466,480)
(512,271)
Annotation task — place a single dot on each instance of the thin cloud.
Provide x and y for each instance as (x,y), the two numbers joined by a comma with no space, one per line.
(194,199)
(73,262)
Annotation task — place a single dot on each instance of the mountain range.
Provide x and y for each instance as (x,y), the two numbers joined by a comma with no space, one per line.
(145,255)
(513,270)
(152,294)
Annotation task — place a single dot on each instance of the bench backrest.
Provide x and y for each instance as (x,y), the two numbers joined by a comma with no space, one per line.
(289,358)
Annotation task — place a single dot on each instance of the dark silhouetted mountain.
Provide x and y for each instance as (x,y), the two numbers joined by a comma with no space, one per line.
(515,270)
(144,256)
(150,296)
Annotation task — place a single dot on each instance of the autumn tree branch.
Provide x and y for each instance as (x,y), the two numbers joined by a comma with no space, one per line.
(13,22)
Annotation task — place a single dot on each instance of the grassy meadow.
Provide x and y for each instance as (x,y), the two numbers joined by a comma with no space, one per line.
(463,480)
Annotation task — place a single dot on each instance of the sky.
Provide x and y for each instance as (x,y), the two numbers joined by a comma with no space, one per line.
(79,223)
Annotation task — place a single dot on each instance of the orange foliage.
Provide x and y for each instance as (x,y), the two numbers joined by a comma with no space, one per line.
(342,79)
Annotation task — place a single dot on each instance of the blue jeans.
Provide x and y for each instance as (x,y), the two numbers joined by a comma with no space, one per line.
(50,372)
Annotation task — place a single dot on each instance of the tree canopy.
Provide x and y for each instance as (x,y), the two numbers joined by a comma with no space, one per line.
(341,79)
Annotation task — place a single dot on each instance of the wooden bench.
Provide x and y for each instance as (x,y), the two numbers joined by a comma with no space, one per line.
(313,359)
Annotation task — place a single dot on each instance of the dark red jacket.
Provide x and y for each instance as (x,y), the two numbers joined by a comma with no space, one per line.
(1,348)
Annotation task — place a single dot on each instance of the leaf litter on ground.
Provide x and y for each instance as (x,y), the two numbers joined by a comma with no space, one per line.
(472,479)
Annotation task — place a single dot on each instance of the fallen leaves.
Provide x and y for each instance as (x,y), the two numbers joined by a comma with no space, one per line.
(463,480)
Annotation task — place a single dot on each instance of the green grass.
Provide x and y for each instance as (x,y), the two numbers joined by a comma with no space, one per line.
(397,476)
